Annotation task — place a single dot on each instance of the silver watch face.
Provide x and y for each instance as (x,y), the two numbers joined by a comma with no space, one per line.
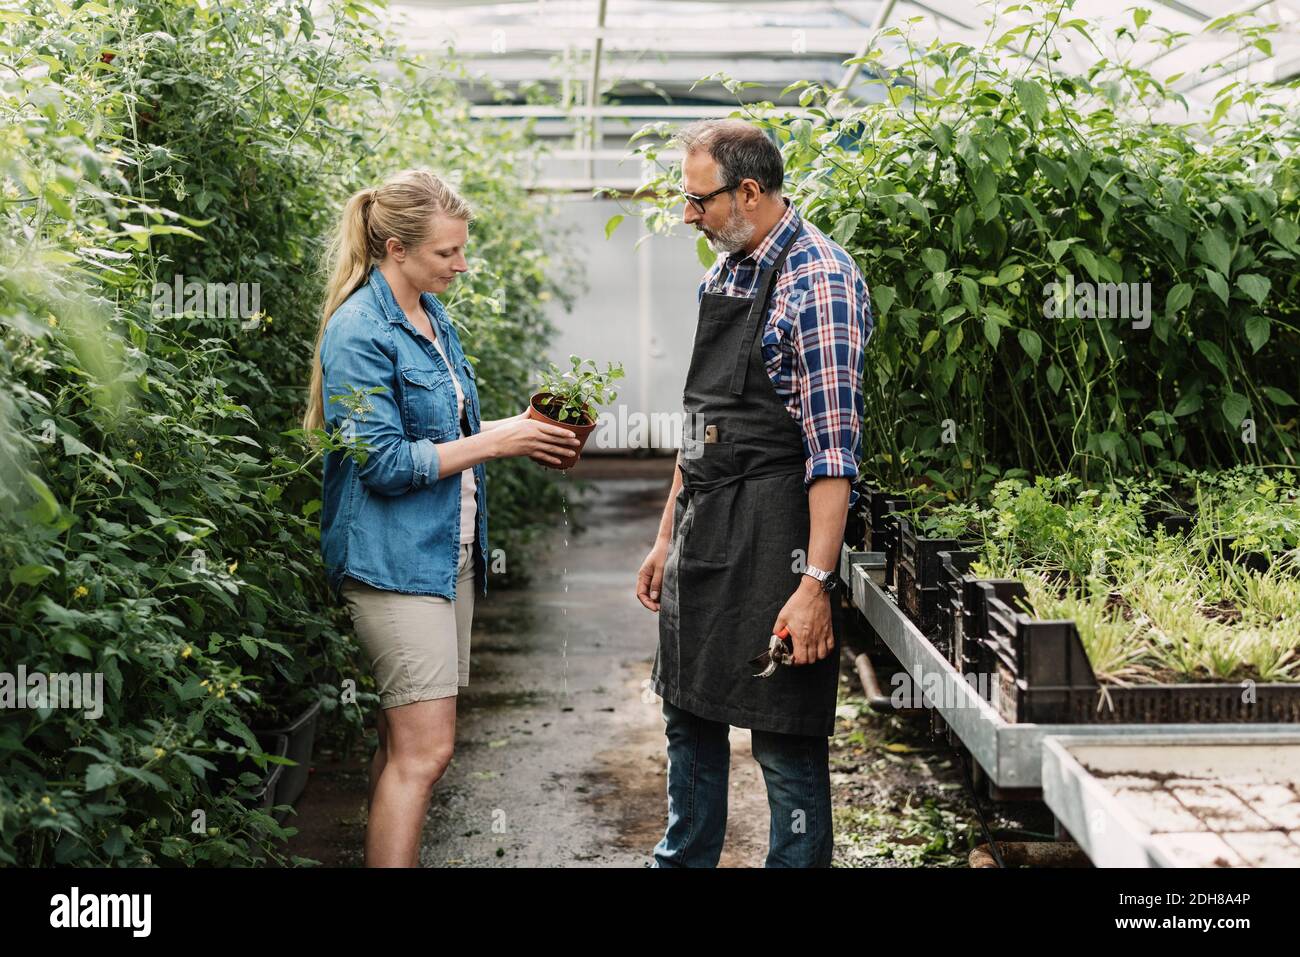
(820,574)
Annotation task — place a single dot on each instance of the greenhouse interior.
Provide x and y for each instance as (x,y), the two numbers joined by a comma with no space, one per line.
(683,365)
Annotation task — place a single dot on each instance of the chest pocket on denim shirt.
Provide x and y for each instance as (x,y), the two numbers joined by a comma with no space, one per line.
(428,404)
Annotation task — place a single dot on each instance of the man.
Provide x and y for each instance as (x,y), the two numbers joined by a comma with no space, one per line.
(753,525)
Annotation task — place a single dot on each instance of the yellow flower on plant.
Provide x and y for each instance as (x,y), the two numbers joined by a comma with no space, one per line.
(52,320)
(159,752)
(187,651)
(81,592)
(138,456)
(232,566)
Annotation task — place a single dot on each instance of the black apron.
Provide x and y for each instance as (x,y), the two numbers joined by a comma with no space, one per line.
(740,535)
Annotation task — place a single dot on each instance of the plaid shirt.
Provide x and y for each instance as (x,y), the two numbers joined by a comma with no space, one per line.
(817,327)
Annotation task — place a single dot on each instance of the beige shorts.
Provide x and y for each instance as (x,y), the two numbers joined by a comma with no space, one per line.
(418,645)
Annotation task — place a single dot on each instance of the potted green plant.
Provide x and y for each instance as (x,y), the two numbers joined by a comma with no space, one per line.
(569,398)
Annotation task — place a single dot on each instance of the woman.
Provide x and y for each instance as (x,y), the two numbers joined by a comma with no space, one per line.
(404,523)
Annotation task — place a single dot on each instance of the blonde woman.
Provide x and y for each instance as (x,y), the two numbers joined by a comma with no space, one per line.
(404,532)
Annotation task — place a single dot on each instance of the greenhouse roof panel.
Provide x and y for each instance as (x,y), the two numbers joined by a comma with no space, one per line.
(639,54)
(815,28)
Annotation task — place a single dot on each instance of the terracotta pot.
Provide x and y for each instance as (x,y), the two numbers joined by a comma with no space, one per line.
(581,431)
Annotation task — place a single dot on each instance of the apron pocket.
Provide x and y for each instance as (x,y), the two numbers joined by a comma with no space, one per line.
(710,522)
(710,512)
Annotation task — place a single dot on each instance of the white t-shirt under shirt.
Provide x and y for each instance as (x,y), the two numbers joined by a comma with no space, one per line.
(468,484)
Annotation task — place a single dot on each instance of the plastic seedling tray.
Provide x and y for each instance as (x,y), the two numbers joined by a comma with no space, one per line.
(1010,754)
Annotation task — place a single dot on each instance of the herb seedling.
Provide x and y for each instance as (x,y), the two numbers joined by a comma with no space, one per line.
(572,395)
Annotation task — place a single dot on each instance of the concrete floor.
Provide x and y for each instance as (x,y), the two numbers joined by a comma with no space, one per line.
(560,755)
(560,747)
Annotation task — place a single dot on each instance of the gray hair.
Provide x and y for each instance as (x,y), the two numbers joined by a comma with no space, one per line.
(741,150)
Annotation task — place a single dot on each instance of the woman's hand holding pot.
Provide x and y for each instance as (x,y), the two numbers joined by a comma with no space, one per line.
(544,444)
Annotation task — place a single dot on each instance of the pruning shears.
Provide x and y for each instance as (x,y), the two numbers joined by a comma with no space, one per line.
(780,651)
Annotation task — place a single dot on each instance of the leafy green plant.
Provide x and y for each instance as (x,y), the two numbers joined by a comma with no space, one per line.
(160,520)
(1149,606)
(981,175)
(574,394)
(1112,641)
(1258,510)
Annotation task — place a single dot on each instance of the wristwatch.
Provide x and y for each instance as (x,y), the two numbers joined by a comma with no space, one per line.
(828,579)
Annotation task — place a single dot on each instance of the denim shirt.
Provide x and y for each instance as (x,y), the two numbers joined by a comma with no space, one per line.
(392,523)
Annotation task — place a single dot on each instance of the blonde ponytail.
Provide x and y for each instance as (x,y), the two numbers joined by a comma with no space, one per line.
(402,208)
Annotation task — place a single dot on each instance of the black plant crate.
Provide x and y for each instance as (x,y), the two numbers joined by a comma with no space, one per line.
(1174,523)
(1042,667)
(1222,548)
(955,565)
(879,508)
(876,505)
(1225,702)
(855,531)
(918,573)
(1044,677)
(1178,523)
(961,623)
(857,527)
(973,650)
(886,540)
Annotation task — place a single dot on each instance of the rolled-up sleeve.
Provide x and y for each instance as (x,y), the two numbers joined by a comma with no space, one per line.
(357,353)
(833,328)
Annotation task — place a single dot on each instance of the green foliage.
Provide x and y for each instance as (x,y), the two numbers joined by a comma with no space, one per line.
(1152,606)
(161,510)
(575,393)
(979,177)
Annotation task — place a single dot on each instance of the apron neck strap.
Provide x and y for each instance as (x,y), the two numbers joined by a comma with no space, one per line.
(757,311)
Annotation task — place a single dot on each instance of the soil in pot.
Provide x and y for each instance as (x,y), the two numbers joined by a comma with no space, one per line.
(543,407)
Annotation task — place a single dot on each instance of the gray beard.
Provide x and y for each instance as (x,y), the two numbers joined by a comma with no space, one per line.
(733,235)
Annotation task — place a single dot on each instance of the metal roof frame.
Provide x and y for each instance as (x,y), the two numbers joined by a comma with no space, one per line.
(557,41)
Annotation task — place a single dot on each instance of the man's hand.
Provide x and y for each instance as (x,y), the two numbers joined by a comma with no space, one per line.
(651,576)
(808,616)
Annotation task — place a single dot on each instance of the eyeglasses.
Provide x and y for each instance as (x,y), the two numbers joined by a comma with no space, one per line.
(699,201)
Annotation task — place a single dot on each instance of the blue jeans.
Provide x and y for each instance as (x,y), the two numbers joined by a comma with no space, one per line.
(797,771)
